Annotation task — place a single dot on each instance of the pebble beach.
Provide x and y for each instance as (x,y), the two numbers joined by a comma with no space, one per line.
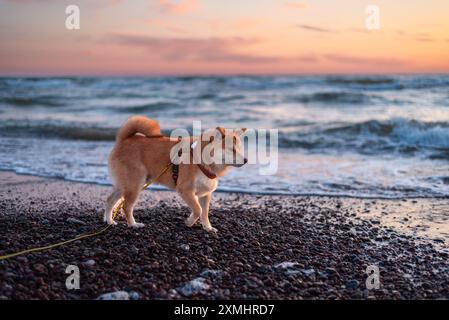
(267,247)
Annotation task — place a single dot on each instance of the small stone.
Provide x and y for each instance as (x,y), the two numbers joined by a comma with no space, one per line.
(286,265)
(22,259)
(172,293)
(133,295)
(308,272)
(185,247)
(40,268)
(194,287)
(352,284)
(211,274)
(328,273)
(89,263)
(117,295)
(209,250)
(99,252)
(75,221)
(134,250)
(7,287)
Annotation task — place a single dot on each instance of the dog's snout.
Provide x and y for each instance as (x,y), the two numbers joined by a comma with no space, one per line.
(239,163)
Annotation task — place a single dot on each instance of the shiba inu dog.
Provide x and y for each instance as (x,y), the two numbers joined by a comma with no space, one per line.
(141,153)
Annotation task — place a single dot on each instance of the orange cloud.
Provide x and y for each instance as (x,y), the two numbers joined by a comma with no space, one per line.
(419,37)
(248,22)
(296,5)
(180,6)
(424,39)
(316,29)
(193,49)
(365,61)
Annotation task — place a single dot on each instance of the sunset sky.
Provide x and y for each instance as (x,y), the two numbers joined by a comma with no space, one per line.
(159,37)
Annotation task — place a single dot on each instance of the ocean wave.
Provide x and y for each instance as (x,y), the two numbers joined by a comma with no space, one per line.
(239,82)
(369,137)
(333,97)
(425,82)
(58,131)
(390,83)
(400,135)
(409,132)
(372,83)
(61,130)
(47,101)
(367,81)
(155,106)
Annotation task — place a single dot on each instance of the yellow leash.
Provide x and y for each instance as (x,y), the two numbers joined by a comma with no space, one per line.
(83,236)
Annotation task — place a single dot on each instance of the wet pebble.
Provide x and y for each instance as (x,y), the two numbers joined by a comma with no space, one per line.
(117,295)
(193,287)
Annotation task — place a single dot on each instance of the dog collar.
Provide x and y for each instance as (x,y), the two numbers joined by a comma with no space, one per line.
(206,172)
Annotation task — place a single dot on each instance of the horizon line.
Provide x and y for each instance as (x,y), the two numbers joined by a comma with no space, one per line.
(206,75)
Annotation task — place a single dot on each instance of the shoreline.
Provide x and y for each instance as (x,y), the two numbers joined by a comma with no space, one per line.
(434,229)
(157,187)
(268,247)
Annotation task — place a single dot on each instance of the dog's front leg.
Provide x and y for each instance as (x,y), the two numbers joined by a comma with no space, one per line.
(205,203)
(192,201)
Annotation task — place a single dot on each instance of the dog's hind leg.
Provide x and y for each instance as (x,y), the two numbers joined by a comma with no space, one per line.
(110,203)
(130,201)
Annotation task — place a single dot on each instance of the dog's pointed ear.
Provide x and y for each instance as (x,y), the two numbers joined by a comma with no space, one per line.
(219,133)
(241,131)
(222,131)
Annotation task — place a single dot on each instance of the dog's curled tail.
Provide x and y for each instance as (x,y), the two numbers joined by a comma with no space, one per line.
(138,124)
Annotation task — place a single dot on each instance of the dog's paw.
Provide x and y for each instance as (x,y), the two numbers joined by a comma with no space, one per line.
(111,223)
(190,222)
(210,229)
(137,225)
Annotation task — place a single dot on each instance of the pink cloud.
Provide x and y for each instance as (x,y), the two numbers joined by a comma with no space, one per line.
(344,59)
(248,22)
(420,37)
(424,39)
(315,28)
(177,6)
(296,5)
(194,49)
